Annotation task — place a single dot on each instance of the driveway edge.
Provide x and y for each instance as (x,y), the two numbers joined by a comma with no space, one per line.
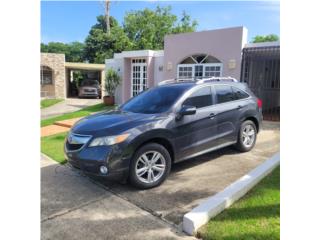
(215,204)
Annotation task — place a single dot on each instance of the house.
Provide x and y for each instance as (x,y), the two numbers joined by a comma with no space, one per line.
(220,52)
(186,55)
(57,76)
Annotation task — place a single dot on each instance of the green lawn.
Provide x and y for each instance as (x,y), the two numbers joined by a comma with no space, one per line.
(53,146)
(255,216)
(49,102)
(80,113)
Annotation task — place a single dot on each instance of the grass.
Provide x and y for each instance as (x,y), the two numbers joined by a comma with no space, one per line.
(255,216)
(80,113)
(53,146)
(49,102)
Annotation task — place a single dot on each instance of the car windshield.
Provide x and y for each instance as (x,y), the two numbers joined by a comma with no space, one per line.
(155,100)
(89,83)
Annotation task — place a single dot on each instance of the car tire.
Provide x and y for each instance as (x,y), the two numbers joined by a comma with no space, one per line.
(247,136)
(142,165)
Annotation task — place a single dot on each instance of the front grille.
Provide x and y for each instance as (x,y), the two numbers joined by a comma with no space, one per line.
(73,147)
(89,90)
(76,142)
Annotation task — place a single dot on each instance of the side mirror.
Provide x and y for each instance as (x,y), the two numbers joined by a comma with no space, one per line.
(186,110)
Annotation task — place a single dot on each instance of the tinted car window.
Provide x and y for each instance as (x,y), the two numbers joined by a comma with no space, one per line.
(200,98)
(239,94)
(89,83)
(224,93)
(155,100)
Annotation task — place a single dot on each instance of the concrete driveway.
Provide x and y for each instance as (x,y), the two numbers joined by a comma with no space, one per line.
(76,207)
(68,105)
(193,181)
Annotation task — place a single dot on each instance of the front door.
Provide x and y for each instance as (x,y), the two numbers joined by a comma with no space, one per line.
(196,133)
(138,76)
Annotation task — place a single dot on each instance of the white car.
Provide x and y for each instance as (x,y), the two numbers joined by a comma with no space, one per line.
(89,88)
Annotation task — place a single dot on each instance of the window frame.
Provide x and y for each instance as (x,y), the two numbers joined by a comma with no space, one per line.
(180,102)
(47,69)
(214,92)
(185,65)
(248,95)
(203,65)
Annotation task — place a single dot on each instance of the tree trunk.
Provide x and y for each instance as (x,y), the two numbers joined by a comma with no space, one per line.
(107,16)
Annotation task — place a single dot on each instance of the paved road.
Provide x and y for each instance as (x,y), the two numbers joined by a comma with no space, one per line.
(69,105)
(76,207)
(73,207)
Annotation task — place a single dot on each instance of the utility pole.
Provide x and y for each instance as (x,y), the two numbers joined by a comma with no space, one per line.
(107,15)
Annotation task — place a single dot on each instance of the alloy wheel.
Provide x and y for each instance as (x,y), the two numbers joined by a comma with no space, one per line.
(150,167)
(248,135)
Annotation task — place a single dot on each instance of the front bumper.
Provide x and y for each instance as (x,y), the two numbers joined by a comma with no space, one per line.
(93,94)
(90,159)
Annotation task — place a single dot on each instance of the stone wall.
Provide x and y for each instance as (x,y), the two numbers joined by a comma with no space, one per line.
(57,63)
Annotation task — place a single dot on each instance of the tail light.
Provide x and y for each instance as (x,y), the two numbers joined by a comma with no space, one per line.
(259,102)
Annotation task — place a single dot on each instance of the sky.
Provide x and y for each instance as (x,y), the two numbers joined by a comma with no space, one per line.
(68,21)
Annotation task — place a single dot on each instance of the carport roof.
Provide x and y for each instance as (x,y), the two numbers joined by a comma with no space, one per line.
(85,66)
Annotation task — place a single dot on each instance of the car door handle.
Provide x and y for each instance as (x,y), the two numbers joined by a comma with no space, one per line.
(212,115)
(239,107)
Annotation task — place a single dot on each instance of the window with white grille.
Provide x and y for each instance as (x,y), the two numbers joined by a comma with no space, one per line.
(199,66)
(139,76)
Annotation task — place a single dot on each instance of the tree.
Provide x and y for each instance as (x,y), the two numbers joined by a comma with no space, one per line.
(112,81)
(54,47)
(146,28)
(143,29)
(99,45)
(73,51)
(266,38)
(107,16)
(185,24)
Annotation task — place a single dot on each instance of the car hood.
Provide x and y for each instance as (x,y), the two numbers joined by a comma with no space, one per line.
(109,123)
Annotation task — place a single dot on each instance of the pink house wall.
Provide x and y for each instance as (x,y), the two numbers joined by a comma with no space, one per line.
(224,44)
(126,79)
(150,71)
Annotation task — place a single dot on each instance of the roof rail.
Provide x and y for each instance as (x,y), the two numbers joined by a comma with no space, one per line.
(217,79)
(198,80)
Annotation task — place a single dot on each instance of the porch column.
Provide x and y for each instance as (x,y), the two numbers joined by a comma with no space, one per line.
(103,90)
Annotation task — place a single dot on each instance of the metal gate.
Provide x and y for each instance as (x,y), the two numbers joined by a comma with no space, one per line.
(261,71)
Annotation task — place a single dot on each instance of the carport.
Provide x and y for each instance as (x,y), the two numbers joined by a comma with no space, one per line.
(88,70)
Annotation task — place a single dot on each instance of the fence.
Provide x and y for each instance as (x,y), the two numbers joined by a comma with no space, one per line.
(261,71)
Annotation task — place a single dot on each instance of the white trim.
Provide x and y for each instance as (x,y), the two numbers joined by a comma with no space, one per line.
(139,54)
(262,44)
(185,65)
(200,215)
(204,58)
(195,61)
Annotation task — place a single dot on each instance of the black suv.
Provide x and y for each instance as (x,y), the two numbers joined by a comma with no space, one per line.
(175,121)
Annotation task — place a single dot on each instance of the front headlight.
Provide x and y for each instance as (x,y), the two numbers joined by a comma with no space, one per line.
(109,140)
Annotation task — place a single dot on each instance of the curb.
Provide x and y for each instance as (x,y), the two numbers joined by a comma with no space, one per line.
(211,207)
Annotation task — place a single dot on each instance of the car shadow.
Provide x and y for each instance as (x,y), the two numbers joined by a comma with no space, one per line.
(202,159)
(172,199)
